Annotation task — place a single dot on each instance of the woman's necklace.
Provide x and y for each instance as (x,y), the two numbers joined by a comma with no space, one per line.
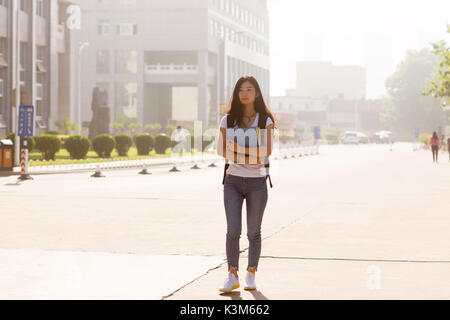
(249,119)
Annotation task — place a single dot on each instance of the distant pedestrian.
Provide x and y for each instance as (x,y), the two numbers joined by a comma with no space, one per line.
(180,136)
(448,147)
(435,146)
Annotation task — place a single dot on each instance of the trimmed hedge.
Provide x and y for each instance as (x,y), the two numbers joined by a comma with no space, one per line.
(425,138)
(123,144)
(31,141)
(144,143)
(48,145)
(78,146)
(162,142)
(103,145)
(153,129)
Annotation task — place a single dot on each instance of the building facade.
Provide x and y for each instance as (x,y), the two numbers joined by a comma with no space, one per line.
(302,112)
(329,96)
(46,61)
(357,115)
(319,79)
(164,61)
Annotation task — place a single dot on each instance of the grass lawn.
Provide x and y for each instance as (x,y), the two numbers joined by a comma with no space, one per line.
(63,157)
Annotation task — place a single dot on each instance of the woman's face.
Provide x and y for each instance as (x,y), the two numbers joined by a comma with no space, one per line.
(247,93)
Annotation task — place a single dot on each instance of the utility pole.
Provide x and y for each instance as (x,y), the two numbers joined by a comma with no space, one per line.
(17,106)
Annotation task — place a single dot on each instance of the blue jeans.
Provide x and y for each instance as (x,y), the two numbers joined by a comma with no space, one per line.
(235,190)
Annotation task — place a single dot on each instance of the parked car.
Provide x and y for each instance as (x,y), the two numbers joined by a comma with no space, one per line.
(362,138)
(350,137)
(376,138)
(385,136)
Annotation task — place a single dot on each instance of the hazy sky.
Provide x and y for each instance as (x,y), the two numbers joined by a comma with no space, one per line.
(372,34)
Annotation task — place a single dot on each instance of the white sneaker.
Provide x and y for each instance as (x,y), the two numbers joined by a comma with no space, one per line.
(230,284)
(250,283)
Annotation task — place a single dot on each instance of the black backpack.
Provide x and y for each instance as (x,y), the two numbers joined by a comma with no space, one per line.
(261,125)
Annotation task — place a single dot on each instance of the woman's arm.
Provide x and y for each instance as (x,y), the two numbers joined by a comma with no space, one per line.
(226,151)
(261,151)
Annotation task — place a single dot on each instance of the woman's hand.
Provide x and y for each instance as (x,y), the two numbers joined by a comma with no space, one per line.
(232,145)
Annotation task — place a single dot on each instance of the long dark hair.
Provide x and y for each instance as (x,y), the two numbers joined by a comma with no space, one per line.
(235,107)
(435,136)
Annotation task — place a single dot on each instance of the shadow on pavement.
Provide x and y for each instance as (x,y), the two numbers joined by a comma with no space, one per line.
(258,295)
(235,295)
(13,184)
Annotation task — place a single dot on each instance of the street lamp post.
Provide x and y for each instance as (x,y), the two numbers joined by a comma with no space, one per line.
(82,46)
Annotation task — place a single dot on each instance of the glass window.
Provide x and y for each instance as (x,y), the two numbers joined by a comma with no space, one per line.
(126,99)
(39,91)
(127,29)
(126,62)
(40,8)
(103,61)
(104,27)
(3,46)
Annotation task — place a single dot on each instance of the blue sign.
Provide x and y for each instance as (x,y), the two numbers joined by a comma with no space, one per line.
(26,121)
(317,132)
(416,134)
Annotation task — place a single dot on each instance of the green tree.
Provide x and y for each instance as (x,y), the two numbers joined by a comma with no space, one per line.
(124,124)
(406,107)
(388,115)
(66,126)
(153,129)
(440,88)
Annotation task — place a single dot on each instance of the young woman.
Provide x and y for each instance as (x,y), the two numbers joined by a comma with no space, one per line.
(435,146)
(245,177)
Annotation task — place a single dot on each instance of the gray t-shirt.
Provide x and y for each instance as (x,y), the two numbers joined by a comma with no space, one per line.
(246,170)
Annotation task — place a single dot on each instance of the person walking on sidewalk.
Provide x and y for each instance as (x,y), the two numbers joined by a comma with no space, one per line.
(435,146)
(179,141)
(246,176)
(448,146)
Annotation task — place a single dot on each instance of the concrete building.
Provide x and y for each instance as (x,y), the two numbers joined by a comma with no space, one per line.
(301,111)
(47,61)
(359,115)
(328,96)
(165,61)
(317,79)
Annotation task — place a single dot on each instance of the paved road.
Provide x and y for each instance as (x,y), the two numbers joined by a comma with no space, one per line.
(354,222)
